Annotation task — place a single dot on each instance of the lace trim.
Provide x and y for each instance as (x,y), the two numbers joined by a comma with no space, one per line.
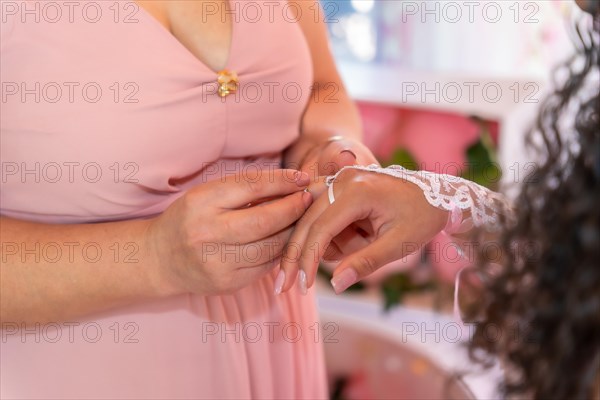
(453,194)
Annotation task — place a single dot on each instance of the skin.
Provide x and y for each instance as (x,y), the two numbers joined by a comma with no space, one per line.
(35,291)
(387,211)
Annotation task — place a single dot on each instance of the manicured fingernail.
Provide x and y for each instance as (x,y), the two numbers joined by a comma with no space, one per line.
(302,282)
(349,152)
(279,282)
(344,280)
(307,198)
(302,178)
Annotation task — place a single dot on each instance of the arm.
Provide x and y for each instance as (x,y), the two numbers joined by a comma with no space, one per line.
(53,272)
(330,111)
(188,248)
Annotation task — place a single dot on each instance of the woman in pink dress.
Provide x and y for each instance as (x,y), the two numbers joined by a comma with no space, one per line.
(138,139)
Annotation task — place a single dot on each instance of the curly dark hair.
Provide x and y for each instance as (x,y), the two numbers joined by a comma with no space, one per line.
(549,292)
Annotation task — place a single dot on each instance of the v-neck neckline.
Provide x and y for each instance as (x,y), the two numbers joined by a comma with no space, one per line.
(178,43)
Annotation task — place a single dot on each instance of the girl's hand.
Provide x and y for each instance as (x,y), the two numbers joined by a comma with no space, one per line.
(213,240)
(392,214)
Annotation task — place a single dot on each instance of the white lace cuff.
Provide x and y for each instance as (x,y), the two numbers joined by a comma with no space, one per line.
(453,194)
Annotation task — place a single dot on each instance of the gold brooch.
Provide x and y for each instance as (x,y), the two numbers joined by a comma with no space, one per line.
(228,82)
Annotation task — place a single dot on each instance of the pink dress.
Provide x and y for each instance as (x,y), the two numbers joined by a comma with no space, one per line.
(106,116)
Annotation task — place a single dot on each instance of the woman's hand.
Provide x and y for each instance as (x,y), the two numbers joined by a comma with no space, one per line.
(328,157)
(393,215)
(213,241)
(208,241)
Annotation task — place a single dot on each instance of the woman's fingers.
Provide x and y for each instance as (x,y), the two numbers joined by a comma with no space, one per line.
(294,248)
(367,260)
(350,240)
(344,158)
(255,254)
(256,259)
(317,187)
(330,157)
(293,251)
(333,253)
(245,276)
(242,189)
(333,220)
(344,152)
(261,221)
(336,155)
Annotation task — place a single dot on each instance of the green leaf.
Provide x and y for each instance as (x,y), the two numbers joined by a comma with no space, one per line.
(482,166)
(391,297)
(396,286)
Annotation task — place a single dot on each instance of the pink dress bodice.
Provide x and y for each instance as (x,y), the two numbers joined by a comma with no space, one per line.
(109,117)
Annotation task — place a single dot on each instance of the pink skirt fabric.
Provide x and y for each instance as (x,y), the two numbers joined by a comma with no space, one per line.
(246,345)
